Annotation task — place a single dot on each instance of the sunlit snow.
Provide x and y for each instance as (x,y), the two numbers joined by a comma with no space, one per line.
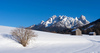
(49,43)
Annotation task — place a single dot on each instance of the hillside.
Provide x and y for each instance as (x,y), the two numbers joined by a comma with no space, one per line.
(49,43)
(92,27)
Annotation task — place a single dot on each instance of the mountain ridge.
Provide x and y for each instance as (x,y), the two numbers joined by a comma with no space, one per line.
(62,21)
(86,29)
(92,27)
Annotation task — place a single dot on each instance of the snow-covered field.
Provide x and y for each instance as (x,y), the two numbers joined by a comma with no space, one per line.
(49,43)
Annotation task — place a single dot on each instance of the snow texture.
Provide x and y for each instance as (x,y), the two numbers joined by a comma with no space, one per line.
(49,43)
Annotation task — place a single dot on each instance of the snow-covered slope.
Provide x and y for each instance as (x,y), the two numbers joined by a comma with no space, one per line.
(49,43)
(64,21)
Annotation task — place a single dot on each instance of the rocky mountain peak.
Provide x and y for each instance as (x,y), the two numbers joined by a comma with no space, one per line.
(82,17)
(42,22)
(54,16)
(76,18)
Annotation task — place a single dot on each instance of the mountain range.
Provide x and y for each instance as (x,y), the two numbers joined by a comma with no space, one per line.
(91,27)
(64,24)
(62,21)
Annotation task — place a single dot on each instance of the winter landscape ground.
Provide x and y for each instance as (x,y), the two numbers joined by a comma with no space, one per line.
(47,42)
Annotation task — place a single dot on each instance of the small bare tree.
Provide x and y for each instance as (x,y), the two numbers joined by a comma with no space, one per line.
(23,35)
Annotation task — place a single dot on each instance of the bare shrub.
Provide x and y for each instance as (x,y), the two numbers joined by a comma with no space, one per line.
(23,35)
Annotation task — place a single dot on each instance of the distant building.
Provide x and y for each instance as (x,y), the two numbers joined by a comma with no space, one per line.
(76,32)
(92,33)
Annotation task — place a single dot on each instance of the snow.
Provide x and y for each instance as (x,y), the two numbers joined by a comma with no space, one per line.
(91,32)
(47,42)
(32,26)
(83,17)
(66,21)
(74,30)
(89,27)
(42,22)
(76,18)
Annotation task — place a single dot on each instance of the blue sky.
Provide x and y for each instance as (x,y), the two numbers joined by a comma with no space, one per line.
(17,13)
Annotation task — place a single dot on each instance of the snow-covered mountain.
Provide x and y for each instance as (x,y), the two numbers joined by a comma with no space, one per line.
(63,21)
